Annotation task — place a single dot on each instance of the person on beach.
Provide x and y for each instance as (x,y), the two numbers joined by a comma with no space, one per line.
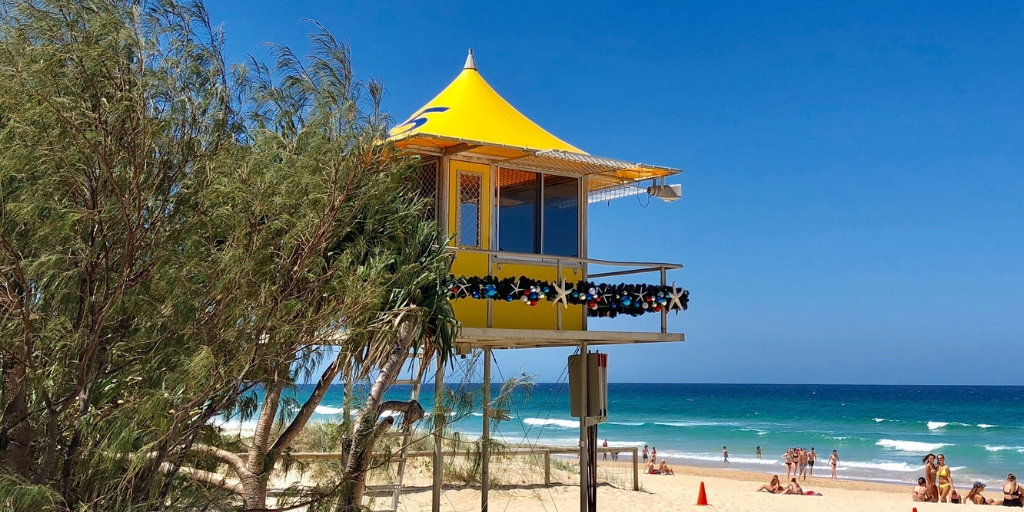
(654,455)
(945,479)
(605,445)
(664,469)
(833,461)
(788,457)
(976,498)
(773,487)
(921,491)
(801,460)
(929,476)
(647,454)
(810,462)
(1011,492)
(794,488)
(725,455)
(759,454)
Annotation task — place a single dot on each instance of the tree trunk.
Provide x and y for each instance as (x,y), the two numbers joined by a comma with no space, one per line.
(16,433)
(368,428)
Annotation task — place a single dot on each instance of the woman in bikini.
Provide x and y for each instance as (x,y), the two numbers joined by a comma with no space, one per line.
(945,479)
(833,461)
(774,487)
(1011,492)
(929,476)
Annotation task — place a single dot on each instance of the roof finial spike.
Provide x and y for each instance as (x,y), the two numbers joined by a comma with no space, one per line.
(470,62)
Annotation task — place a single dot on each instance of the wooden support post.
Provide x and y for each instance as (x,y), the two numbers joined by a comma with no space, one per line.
(438,478)
(485,438)
(547,467)
(636,471)
(664,310)
(584,437)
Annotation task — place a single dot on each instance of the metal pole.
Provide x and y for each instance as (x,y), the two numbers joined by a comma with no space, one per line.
(435,486)
(485,449)
(584,412)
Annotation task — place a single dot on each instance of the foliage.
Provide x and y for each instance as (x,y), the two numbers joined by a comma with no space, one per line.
(174,234)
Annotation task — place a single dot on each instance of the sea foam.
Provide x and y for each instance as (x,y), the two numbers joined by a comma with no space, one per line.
(935,425)
(323,409)
(551,422)
(1001,448)
(910,446)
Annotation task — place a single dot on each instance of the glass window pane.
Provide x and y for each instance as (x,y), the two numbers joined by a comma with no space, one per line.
(467,226)
(561,216)
(518,197)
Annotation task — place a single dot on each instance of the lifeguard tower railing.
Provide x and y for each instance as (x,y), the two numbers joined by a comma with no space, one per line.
(572,268)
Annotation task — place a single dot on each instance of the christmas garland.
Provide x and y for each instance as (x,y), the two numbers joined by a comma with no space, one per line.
(600,299)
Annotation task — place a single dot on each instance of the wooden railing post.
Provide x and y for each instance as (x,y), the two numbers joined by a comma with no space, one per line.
(636,471)
(547,467)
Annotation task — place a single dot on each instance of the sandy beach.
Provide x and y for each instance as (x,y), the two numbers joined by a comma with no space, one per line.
(726,490)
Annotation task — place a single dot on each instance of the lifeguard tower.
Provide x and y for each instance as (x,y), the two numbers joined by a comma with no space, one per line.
(513,198)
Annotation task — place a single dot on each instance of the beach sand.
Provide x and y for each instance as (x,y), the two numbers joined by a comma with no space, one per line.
(726,491)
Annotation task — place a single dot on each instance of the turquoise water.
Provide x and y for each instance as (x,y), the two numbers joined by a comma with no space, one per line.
(880,432)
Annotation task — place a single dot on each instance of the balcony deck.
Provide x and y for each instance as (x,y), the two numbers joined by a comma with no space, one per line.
(488,335)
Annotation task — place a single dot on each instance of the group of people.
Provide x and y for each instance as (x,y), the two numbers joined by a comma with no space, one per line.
(776,487)
(937,486)
(800,462)
(651,460)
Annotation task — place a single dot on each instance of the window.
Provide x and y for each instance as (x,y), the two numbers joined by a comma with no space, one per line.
(518,199)
(561,216)
(467,227)
(538,213)
(425,185)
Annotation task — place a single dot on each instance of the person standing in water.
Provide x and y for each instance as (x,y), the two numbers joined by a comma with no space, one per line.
(725,455)
(945,479)
(834,462)
(758,453)
(810,462)
(929,477)
(647,454)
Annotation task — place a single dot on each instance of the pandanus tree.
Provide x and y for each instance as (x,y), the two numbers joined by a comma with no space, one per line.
(175,235)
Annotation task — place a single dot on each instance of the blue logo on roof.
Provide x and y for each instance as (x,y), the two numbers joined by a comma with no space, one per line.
(417,120)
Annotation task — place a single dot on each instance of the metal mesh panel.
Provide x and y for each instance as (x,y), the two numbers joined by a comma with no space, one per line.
(467,219)
(425,186)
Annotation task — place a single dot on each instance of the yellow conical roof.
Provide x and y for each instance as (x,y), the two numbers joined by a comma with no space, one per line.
(469,111)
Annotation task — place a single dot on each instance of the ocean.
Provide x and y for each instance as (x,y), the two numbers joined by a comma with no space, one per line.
(880,432)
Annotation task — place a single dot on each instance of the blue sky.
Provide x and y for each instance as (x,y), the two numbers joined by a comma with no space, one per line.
(853,194)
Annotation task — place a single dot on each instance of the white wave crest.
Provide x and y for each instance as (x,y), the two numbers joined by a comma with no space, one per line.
(884,465)
(910,446)
(879,420)
(626,423)
(935,425)
(551,422)
(1001,448)
(323,409)
(985,425)
(693,423)
(672,454)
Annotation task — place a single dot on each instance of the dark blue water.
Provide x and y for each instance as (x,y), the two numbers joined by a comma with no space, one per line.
(880,432)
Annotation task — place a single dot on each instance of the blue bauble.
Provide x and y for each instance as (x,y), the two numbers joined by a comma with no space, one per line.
(626,301)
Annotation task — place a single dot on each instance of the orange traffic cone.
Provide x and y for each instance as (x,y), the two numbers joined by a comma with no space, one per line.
(702,497)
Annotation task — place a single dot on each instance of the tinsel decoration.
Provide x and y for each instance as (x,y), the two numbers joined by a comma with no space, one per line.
(599,299)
